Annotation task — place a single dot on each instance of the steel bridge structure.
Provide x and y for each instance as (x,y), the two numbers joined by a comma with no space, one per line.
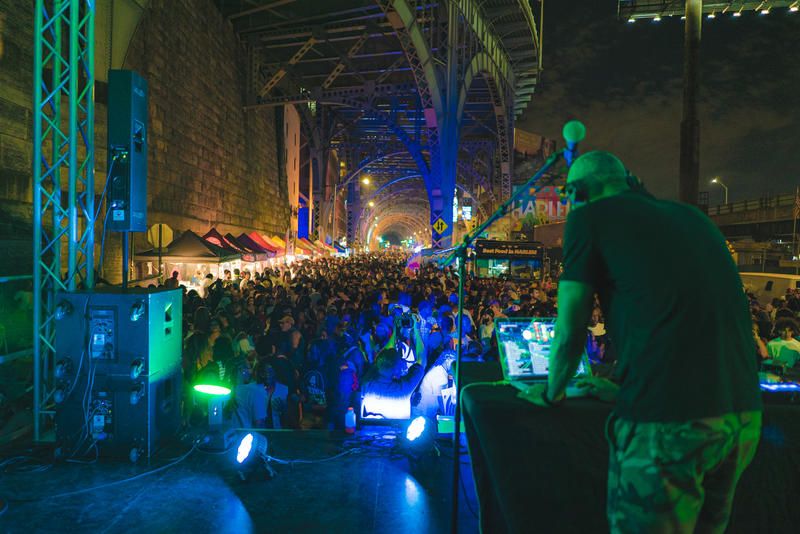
(396,87)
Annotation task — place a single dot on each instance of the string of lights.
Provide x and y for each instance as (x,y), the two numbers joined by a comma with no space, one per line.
(656,11)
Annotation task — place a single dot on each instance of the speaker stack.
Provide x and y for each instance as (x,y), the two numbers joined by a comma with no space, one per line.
(118,370)
(127,146)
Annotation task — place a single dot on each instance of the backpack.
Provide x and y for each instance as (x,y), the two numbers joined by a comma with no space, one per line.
(314,388)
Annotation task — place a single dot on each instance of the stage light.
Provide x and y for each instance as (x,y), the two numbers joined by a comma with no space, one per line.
(251,455)
(737,14)
(712,15)
(765,11)
(631,20)
(211,389)
(371,203)
(365,180)
(657,18)
(794,8)
(419,440)
(415,429)
(215,393)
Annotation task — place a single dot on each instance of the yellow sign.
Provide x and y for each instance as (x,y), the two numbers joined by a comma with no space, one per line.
(440,226)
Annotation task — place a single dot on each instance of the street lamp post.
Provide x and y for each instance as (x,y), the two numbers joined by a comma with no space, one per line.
(333,223)
(725,187)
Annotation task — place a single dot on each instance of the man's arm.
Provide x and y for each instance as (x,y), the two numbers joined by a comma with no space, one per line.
(575,301)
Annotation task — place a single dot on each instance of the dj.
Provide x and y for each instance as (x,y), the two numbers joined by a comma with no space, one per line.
(687,418)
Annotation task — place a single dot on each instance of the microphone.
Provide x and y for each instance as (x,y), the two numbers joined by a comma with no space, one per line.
(573,132)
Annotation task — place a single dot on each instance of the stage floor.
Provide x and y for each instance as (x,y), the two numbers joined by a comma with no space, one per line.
(369,490)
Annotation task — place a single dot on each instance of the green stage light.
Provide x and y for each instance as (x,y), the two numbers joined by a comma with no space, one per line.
(211,389)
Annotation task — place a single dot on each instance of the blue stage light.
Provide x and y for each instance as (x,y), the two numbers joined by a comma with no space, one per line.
(251,455)
(244,448)
(415,429)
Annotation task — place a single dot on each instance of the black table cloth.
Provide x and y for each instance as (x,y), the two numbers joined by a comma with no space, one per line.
(544,470)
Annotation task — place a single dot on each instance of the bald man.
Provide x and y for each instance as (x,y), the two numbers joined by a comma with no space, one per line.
(687,417)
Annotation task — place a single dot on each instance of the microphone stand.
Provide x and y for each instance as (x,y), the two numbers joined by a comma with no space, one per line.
(460,253)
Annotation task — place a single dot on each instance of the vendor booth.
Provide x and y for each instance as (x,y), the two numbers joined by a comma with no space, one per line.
(192,256)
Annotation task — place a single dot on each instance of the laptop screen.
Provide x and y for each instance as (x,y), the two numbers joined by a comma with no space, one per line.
(524,345)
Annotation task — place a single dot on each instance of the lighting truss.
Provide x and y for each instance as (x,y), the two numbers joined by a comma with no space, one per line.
(63,173)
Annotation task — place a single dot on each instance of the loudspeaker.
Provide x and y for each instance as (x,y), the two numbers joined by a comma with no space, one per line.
(127,151)
(118,370)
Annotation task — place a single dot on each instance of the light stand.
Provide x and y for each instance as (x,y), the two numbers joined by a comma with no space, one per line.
(573,132)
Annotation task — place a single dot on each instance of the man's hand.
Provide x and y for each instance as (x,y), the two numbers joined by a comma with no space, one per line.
(536,395)
(599,388)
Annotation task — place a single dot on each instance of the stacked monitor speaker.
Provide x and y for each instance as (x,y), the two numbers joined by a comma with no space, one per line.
(118,367)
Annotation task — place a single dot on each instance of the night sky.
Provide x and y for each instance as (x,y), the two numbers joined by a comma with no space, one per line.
(624,81)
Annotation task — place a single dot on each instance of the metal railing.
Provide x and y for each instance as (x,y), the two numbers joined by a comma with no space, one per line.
(753,204)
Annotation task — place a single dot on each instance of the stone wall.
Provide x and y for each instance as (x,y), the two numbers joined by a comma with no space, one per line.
(210,162)
(16,131)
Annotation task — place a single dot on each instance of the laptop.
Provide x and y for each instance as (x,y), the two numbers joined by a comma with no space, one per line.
(524,345)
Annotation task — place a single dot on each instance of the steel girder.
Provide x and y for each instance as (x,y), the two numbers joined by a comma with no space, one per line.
(444,47)
(63,148)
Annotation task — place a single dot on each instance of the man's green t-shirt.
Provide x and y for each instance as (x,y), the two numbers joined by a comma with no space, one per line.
(674,305)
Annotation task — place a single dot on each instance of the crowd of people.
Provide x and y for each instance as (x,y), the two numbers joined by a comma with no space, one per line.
(310,340)
(319,335)
(776,331)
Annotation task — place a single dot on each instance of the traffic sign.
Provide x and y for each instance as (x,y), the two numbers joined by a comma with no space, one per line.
(166,235)
(440,226)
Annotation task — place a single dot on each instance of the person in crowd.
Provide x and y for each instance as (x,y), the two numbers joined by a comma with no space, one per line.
(172,281)
(387,387)
(289,342)
(433,397)
(785,349)
(687,418)
(250,400)
(276,392)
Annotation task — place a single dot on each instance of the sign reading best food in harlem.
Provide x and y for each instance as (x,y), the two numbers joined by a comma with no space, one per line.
(542,207)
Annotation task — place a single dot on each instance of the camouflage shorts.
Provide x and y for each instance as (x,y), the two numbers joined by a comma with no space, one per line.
(677,477)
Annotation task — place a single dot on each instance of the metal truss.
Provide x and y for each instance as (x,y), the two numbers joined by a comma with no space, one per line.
(63,174)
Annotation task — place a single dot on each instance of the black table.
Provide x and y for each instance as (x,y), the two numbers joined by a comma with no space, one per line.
(544,470)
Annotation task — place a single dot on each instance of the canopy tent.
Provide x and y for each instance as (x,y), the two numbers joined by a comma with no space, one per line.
(308,245)
(324,247)
(255,246)
(265,242)
(191,248)
(250,254)
(192,257)
(277,241)
(217,239)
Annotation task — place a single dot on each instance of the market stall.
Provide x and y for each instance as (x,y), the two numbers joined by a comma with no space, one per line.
(192,256)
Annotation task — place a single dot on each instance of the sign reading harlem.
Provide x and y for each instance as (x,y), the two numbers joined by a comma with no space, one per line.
(533,208)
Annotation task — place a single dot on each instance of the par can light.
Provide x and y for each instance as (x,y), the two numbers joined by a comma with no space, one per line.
(251,455)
